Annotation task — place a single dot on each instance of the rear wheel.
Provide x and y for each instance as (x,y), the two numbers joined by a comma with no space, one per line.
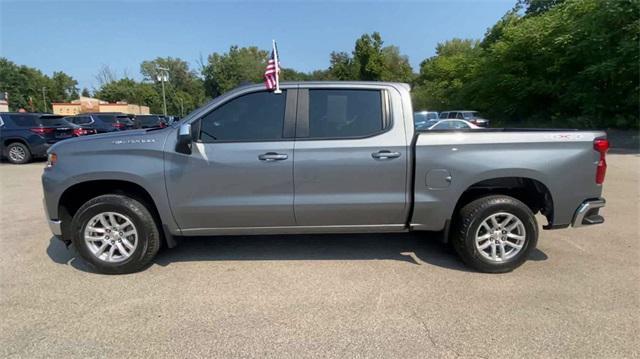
(18,153)
(116,234)
(495,234)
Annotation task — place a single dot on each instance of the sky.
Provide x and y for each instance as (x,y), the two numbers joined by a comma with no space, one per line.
(80,37)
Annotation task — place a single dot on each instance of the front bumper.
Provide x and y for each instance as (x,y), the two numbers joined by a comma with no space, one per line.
(56,227)
(588,213)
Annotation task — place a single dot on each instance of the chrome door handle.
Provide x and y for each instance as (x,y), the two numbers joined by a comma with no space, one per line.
(272,156)
(384,154)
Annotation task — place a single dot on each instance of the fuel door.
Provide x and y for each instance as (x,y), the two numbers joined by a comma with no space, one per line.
(438,179)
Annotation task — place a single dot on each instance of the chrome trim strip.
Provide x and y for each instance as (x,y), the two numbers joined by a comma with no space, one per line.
(379,228)
(56,227)
(584,208)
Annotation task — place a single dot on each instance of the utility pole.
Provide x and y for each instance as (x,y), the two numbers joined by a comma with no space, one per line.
(163,75)
(44,98)
(181,107)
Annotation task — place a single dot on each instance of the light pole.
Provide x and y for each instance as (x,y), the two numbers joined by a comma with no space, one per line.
(44,98)
(163,75)
(181,107)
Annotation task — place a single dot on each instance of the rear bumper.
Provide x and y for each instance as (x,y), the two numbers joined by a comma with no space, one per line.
(588,213)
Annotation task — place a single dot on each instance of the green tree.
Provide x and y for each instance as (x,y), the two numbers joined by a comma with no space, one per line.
(63,88)
(129,90)
(184,89)
(24,85)
(370,61)
(240,65)
(443,79)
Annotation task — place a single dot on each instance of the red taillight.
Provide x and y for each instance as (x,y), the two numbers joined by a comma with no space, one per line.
(602,146)
(118,125)
(43,130)
(80,132)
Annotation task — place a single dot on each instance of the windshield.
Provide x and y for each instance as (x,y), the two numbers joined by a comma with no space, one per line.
(425,116)
(471,114)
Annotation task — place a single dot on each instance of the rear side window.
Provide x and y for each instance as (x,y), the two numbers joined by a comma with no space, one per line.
(25,120)
(52,121)
(82,120)
(344,113)
(258,116)
(107,118)
(148,120)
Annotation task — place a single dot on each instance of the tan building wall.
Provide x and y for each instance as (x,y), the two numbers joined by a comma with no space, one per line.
(125,108)
(66,109)
(88,104)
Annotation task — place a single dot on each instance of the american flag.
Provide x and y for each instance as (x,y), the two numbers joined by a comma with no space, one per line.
(272,72)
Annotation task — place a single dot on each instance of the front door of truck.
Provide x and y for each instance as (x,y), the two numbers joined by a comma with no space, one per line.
(240,172)
(350,159)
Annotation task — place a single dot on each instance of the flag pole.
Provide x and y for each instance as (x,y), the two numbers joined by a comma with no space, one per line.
(276,57)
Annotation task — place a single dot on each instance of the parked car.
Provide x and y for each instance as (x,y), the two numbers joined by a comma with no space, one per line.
(349,155)
(149,121)
(25,136)
(425,119)
(452,125)
(103,122)
(471,116)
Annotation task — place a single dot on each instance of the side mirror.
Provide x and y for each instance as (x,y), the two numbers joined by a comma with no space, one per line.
(185,138)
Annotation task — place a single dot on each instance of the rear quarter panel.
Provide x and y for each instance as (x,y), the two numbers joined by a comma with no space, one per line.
(564,162)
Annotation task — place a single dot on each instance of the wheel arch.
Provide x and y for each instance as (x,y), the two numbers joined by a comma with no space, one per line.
(531,191)
(11,140)
(73,197)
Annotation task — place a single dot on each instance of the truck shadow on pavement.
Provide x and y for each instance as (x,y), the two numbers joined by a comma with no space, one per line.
(413,248)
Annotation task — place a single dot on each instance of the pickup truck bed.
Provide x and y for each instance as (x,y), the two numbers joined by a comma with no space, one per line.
(322,157)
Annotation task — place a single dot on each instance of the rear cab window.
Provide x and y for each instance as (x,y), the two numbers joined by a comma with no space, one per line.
(336,113)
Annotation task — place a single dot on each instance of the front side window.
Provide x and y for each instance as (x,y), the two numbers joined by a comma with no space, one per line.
(257,116)
(344,113)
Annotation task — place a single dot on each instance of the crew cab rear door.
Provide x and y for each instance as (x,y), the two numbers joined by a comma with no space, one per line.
(239,175)
(350,167)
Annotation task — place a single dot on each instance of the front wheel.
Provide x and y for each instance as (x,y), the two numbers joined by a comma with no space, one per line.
(115,233)
(495,234)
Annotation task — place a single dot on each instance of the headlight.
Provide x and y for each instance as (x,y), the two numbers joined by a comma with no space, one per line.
(52,159)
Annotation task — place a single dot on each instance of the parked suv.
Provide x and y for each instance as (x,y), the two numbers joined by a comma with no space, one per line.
(28,135)
(103,122)
(471,116)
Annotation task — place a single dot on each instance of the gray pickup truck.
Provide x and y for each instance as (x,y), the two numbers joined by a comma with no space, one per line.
(321,157)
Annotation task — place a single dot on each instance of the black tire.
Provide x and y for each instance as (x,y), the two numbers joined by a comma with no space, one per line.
(148,234)
(21,147)
(470,218)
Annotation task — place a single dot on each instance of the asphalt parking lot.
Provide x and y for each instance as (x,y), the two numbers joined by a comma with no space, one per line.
(322,296)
